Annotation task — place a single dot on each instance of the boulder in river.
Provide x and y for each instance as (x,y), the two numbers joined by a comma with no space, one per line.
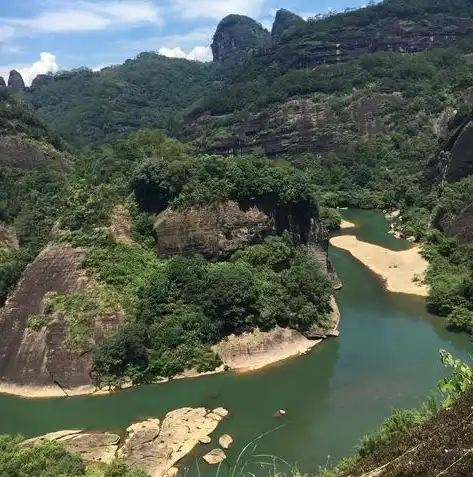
(215,456)
(225,441)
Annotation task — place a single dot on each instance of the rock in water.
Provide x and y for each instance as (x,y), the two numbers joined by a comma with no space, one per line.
(205,440)
(215,457)
(15,81)
(225,441)
(156,448)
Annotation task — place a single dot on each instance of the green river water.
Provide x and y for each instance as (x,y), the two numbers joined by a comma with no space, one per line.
(386,356)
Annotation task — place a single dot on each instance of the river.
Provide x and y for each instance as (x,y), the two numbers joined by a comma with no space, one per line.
(387,356)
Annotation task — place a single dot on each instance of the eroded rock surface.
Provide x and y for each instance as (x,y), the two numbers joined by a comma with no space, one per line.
(41,358)
(212,231)
(151,445)
(15,81)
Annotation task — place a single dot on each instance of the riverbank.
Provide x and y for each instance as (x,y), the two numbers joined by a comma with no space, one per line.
(247,352)
(402,271)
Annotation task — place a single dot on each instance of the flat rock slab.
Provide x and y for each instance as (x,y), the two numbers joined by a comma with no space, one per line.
(151,445)
(93,447)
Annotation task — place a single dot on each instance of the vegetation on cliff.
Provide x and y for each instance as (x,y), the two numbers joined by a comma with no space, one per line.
(33,185)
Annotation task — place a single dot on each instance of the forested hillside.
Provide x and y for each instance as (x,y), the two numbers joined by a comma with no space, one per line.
(162,205)
(89,108)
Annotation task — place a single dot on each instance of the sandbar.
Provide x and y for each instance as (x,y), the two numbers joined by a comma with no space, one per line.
(403,271)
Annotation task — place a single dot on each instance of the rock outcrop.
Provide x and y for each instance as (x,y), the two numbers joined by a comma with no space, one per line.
(213,231)
(25,154)
(2,82)
(291,128)
(151,445)
(455,160)
(41,80)
(460,226)
(15,81)
(238,36)
(218,231)
(284,21)
(41,358)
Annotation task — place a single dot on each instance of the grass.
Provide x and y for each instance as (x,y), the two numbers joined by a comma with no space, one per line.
(37,322)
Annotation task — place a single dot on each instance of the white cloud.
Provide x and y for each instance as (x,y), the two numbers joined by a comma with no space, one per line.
(46,64)
(215,9)
(82,16)
(186,41)
(172,52)
(199,53)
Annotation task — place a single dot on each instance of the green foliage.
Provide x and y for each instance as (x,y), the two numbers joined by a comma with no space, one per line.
(187,304)
(12,265)
(119,469)
(331,218)
(79,309)
(399,422)
(461,318)
(460,380)
(37,322)
(204,180)
(89,107)
(47,459)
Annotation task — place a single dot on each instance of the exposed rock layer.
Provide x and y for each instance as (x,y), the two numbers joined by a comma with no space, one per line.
(293,127)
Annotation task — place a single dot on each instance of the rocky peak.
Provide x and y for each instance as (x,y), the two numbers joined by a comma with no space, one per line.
(284,21)
(2,82)
(237,34)
(40,80)
(15,81)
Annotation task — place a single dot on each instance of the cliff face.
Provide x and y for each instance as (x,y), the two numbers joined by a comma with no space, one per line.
(41,358)
(237,35)
(26,154)
(218,231)
(293,127)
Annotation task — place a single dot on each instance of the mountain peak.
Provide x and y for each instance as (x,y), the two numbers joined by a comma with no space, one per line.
(15,81)
(237,34)
(284,21)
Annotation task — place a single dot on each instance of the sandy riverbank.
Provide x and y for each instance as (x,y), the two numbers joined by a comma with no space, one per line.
(398,269)
(344,224)
(244,353)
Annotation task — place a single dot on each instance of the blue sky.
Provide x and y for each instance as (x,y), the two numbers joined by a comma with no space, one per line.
(37,36)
